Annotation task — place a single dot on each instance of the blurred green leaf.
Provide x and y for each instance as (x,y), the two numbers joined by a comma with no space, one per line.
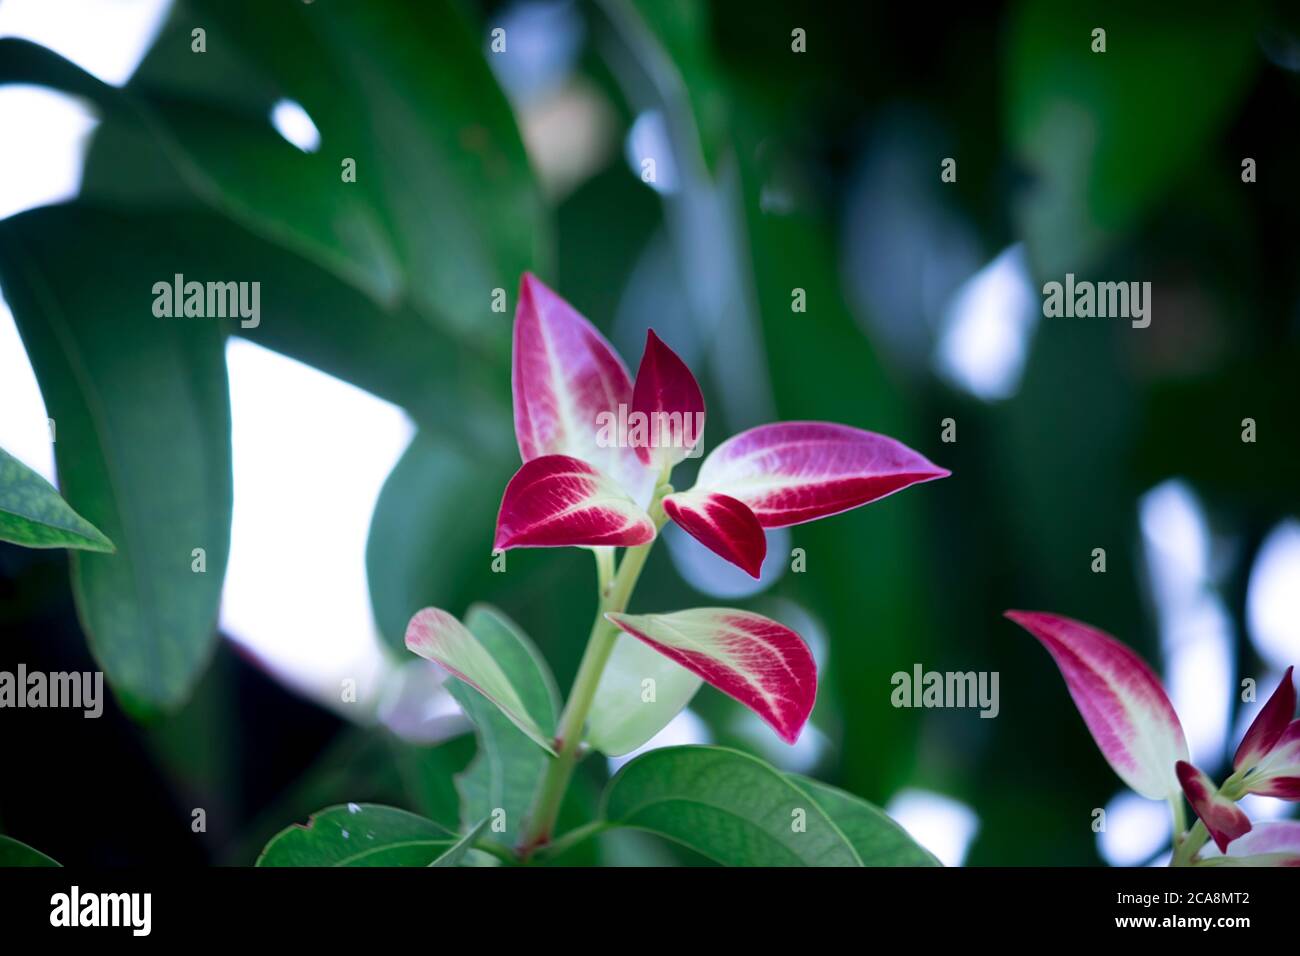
(1103,136)
(32,513)
(13,853)
(364,834)
(462,846)
(505,772)
(728,806)
(404,90)
(878,840)
(143,424)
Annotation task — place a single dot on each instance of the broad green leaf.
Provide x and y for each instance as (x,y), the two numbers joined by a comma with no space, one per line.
(143,423)
(640,691)
(1103,136)
(728,806)
(437,636)
(32,513)
(359,834)
(505,772)
(456,854)
(404,90)
(14,853)
(878,840)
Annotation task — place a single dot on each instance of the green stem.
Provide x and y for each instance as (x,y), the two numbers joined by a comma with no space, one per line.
(1187,845)
(568,735)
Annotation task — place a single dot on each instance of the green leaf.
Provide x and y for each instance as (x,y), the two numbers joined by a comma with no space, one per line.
(621,719)
(1104,136)
(458,850)
(404,90)
(32,513)
(364,834)
(505,772)
(13,853)
(728,806)
(436,635)
(143,424)
(878,840)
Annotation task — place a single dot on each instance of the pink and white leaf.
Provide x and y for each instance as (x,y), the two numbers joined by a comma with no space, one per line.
(723,525)
(558,501)
(667,400)
(569,385)
(1120,699)
(437,636)
(1278,773)
(1268,726)
(1272,843)
(1221,816)
(751,658)
(792,472)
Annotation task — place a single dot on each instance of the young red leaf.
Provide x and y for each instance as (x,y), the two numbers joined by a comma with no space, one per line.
(667,399)
(1278,773)
(557,501)
(723,525)
(437,636)
(1120,699)
(1267,726)
(1221,816)
(763,664)
(568,385)
(793,472)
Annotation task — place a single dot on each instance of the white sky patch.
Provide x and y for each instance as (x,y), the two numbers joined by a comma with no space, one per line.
(1136,830)
(310,456)
(24,431)
(684,729)
(1273,597)
(46,134)
(942,825)
(648,142)
(1196,632)
(293,123)
(106,39)
(987,327)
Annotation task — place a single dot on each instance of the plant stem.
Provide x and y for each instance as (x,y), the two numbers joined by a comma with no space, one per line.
(568,734)
(1187,845)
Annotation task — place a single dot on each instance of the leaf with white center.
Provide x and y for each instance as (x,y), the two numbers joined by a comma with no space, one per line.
(557,501)
(1119,698)
(568,381)
(639,693)
(437,636)
(791,472)
(1222,817)
(751,658)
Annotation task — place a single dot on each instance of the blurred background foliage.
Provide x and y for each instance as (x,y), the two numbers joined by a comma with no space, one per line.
(775,170)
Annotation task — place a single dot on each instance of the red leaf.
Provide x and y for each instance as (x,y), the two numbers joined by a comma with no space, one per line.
(793,472)
(1221,816)
(723,525)
(667,398)
(558,501)
(1268,726)
(568,381)
(1120,699)
(759,662)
